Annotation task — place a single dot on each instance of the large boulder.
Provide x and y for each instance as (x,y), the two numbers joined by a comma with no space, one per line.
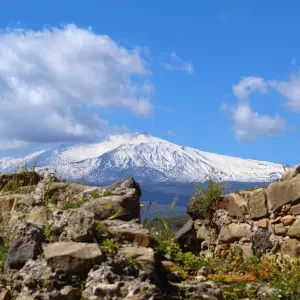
(26,244)
(257,204)
(290,247)
(71,257)
(75,225)
(119,207)
(281,193)
(234,232)
(294,230)
(234,204)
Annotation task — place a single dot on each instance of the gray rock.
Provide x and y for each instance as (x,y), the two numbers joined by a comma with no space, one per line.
(245,250)
(295,209)
(279,229)
(73,225)
(234,204)
(26,244)
(129,231)
(37,216)
(71,257)
(290,247)
(261,241)
(234,232)
(294,230)
(281,193)
(118,207)
(257,204)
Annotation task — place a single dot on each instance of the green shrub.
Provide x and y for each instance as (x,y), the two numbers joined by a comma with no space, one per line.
(110,246)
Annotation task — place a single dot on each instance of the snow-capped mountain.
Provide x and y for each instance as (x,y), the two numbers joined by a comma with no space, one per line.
(146,158)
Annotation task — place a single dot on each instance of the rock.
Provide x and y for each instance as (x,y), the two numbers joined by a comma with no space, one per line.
(295,209)
(129,231)
(288,220)
(12,181)
(202,231)
(119,207)
(35,270)
(281,193)
(276,220)
(37,216)
(75,225)
(245,250)
(70,293)
(102,289)
(128,188)
(294,230)
(234,232)
(5,295)
(25,245)
(261,241)
(257,204)
(279,229)
(187,237)
(167,265)
(290,247)
(234,204)
(291,173)
(7,202)
(262,223)
(71,257)
(144,257)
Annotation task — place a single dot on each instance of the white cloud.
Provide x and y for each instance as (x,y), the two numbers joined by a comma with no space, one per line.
(290,90)
(177,64)
(222,17)
(250,126)
(51,80)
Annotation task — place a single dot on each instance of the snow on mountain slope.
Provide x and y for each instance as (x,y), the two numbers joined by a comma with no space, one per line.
(147,158)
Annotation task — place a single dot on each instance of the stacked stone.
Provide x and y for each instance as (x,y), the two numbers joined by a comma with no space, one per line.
(252,222)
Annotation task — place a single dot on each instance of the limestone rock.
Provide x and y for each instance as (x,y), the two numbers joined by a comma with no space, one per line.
(294,230)
(71,257)
(234,204)
(245,250)
(234,231)
(121,207)
(288,220)
(257,204)
(202,232)
(73,225)
(129,231)
(279,229)
(281,193)
(37,216)
(290,247)
(262,223)
(126,187)
(295,209)
(25,245)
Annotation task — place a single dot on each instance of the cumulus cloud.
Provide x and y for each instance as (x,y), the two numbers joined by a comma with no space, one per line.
(290,90)
(52,80)
(250,126)
(177,64)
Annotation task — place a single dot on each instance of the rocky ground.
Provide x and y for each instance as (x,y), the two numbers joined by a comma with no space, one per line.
(69,241)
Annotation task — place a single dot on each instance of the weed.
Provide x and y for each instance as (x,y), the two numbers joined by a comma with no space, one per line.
(94,194)
(110,246)
(106,194)
(47,231)
(3,254)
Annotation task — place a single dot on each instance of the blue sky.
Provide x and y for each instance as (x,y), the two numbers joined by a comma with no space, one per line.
(220,76)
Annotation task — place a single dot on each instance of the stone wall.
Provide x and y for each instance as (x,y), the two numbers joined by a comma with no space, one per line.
(266,220)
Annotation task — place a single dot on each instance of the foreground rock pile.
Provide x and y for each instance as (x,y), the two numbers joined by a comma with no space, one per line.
(70,241)
(73,242)
(265,220)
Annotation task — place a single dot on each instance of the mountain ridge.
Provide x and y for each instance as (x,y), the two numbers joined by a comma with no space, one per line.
(146,158)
